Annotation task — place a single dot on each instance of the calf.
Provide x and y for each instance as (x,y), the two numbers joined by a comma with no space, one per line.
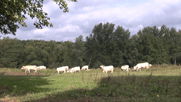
(142,65)
(30,67)
(63,68)
(41,67)
(74,69)
(125,67)
(107,68)
(85,67)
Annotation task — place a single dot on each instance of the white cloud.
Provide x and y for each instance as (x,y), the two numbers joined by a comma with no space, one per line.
(167,2)
(50,6)
(69,28)
(85,14)
(41,31)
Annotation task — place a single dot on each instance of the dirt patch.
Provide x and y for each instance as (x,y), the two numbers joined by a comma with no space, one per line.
(23,74)
(9,99)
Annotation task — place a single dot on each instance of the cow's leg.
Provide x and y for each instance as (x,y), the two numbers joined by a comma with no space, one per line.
(137,69)
(35,71)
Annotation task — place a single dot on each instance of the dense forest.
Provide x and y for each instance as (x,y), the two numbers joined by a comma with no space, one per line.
(107,45)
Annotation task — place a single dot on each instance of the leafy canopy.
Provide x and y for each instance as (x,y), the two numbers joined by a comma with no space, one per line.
(13,12)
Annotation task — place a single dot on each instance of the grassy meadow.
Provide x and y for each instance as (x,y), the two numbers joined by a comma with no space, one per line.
(159,83)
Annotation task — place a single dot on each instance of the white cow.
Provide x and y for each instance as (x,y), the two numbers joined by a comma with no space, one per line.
(62,69)
(86,67)
(41,67)
(150,65)
(142,65)
(125,67)
(107,68)
(74,69)
(135,68)
(138,68)
(30,67)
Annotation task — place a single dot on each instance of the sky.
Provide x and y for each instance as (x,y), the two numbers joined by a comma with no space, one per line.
(85,14)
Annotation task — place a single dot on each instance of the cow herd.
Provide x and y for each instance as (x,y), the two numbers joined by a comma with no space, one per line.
(139,66)
(106,69)
(33,67)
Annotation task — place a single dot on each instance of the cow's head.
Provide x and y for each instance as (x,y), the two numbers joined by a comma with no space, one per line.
(150,65)
(69,71)
(135,67)
(102,66)
(22,67)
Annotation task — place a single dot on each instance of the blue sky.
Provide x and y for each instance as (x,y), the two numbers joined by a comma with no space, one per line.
(85,14)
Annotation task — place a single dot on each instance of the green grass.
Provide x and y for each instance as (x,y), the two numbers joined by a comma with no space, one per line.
(160,83)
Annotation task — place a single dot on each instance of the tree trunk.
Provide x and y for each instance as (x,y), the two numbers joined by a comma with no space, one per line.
(175,62)
(90,61)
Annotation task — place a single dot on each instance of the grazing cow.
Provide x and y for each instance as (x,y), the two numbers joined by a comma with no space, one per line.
(74,69)
(86,67)
(107,68)
(63,68)
(150,65)
(41,67)
(135,68)
(142,65)
(138,68)
(30,67)
(125,67)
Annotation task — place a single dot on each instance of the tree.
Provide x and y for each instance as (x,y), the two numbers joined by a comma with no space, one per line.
(67,48)
(79,51)
(98,44)
(133,50)
(121,43)
(174,42)
(10,52)
(13,12)
(151,46)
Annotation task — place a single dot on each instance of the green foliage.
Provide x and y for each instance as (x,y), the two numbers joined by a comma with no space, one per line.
(16,53)
(151,46)
(67,48)
(79,51)
(11,52)
(13,12)
(36,62)
(106,45)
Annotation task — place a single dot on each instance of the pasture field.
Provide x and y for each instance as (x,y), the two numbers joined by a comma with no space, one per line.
(161,83)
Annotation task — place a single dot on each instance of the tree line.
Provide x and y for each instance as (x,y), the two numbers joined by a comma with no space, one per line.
(107,45)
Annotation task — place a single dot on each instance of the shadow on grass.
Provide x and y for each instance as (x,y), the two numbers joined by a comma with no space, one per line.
(124,88)
(16,85)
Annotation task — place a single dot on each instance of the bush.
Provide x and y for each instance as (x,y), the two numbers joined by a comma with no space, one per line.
(36,62)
